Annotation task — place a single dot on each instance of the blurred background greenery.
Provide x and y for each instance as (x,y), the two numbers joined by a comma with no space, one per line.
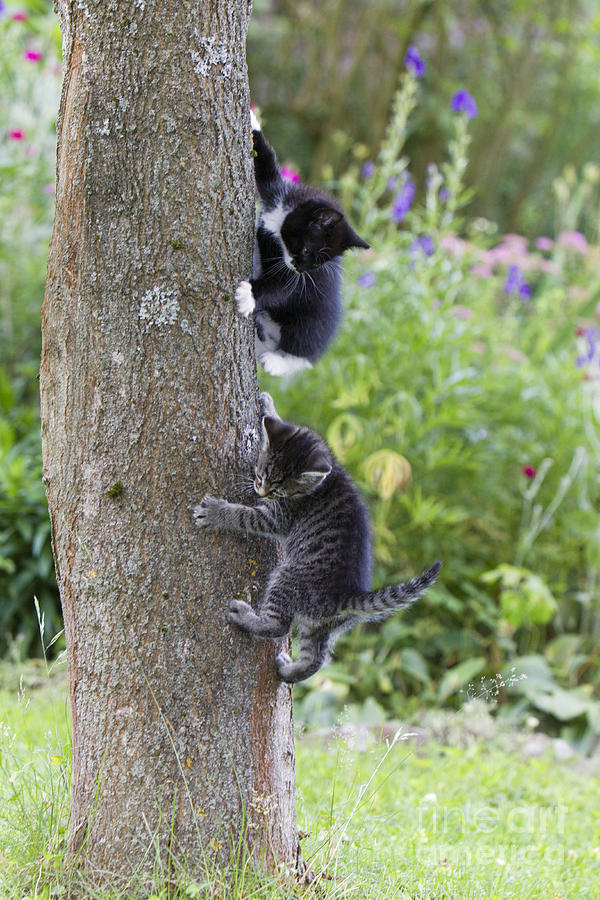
(463,393)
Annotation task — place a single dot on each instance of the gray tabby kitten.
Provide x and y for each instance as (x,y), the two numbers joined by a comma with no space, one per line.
(312,507)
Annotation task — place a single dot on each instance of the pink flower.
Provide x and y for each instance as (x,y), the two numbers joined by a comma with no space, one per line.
(32,55)
(482,270)
(544,243)
(16,134)
(289,174)
(517,241)
(461,312)
(20,16)
(573,240)
(529,471)
(453,244)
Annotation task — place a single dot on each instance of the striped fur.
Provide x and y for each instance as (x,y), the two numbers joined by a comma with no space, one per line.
(312,508)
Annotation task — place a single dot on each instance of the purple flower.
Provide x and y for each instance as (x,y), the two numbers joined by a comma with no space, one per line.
(444,195)
(2,7)
(403,200)
(591,353)
(462,101)
(368,169)
(414,62)
(423,244)
(516,284)
(366,280)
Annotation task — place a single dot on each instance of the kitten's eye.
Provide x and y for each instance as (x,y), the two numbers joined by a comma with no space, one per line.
(305,252)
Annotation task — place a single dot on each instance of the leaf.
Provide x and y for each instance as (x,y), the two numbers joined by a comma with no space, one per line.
(370,713)
(459,675)
(345,430)
(415,665)
(525,599)
(561,651)
(386,471)
(564,705)
(526,671)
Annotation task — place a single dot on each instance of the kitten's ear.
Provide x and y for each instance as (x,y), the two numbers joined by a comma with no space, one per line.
(314,478)
(327,218)
(272,429)
(354,240)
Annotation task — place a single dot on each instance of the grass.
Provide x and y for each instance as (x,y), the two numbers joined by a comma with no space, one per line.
(382,821)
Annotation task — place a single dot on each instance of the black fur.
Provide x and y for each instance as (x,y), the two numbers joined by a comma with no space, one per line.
(300,237)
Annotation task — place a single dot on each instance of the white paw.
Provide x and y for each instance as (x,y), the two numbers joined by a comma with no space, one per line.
(244,298)
(283,363)
(254,121)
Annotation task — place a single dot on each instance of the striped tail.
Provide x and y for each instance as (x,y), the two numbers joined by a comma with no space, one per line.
(373,605)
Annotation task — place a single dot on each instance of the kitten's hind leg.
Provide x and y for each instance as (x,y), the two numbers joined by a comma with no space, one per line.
(313,653)
(266,623)
(280,363)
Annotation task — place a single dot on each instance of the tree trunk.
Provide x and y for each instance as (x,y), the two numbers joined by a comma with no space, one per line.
(181,730)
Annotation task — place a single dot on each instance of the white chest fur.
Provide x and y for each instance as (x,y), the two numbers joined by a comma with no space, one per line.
(272,219)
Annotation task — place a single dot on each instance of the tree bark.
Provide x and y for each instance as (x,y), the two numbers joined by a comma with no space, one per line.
(182,733)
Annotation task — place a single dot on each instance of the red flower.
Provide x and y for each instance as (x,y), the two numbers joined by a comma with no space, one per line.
(16,134)
(289,174)
(529,471)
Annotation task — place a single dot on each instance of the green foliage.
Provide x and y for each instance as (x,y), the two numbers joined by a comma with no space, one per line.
(325,75)
(27,162)
(454,397)
(26,567)
(27,138)
(524,598)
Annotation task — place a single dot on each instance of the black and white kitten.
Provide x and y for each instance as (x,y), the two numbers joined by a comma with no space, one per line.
(312,507)
(295,292)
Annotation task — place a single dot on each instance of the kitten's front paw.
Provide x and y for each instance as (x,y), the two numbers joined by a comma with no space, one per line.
(206,514)
(244,299)
(267,407)
(254,121)
(239,611)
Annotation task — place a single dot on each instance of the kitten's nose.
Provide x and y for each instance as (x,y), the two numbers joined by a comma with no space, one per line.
(259,487)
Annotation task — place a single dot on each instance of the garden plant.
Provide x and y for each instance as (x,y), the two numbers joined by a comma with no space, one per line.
(463,395)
